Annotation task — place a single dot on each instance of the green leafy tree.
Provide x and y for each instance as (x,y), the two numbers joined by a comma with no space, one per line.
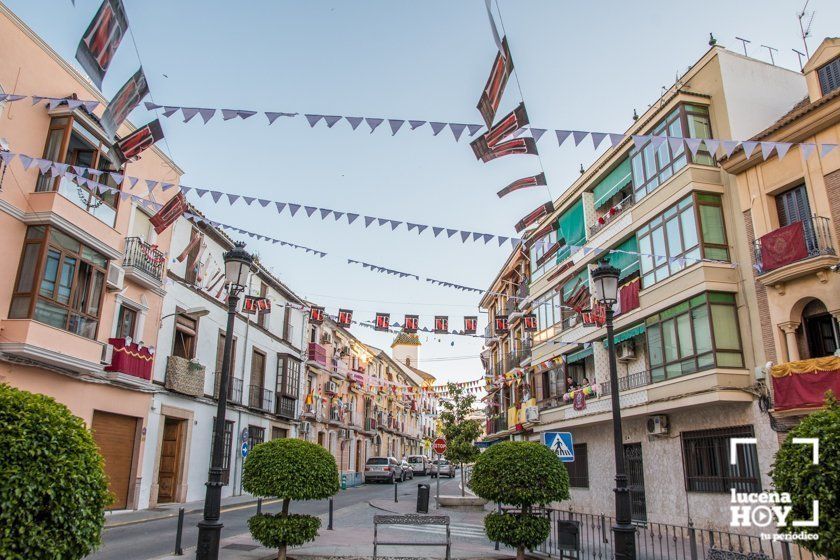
(460,432)
(53,488)
(794,472)
(521,474)
(289,469)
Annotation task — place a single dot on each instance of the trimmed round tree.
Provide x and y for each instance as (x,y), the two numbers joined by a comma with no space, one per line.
(53,488)
(521,474)
(794,472)
(460,432)
(289,469)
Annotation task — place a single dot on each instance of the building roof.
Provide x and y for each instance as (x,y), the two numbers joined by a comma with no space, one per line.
(406,339)
(424,374)
(796,112)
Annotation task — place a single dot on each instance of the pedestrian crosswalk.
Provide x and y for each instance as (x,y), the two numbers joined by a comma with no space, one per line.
(465,530)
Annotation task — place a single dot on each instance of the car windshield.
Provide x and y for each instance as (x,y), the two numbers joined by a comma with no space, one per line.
(377,461)
(415,459)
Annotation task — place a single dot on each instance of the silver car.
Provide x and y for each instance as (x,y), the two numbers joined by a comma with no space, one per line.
(420,464)
(384,469)
(443,467)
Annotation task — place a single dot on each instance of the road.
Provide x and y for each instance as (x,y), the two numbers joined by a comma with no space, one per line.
(152,539)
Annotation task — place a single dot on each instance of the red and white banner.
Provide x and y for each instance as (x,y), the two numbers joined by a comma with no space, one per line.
(169,212)
(144,137)
(101,39)
(488,103)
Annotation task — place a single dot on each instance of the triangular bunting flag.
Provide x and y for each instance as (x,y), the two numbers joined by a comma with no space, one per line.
(373,123)
(189,113)
(675,143)
(615,139)
(228,114)
(749,148)
(200,192)
(169,111)
(451,232)
(639,141)
(693,145)
(578,136)
(766,149)
(537,133)
(597,138)
(309,210)
(331,120)
(232,198)
(248,199)
(354,121)
(369,220)
(464,236)
(416,124)
(807,149)
(280,206)
(561,136)
(324,212)
(729,146)
(395,125)
(245,114)
(351,218)
(394,224)
(473,129)
(436,230)
(263,202)
(457,129)
(313,119)
(215,195)
(826,148)
(437,127)
(293,208)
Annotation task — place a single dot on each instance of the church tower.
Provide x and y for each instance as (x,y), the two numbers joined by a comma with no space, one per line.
(406,348)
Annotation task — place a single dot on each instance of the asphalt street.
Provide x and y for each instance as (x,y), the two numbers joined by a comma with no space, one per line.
(155,538)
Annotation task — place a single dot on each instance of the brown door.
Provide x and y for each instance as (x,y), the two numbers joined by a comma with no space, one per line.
(169,473)
(114,435)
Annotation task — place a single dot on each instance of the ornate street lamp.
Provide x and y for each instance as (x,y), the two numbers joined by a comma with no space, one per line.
(605,286)
(237,266)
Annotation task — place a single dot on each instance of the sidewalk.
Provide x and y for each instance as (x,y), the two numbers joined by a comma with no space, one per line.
(163,511)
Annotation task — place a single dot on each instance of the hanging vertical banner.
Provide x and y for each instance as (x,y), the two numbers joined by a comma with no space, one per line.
(124,102)
(470,325)
(316,315)
(534,216)
(501,324)
(345,317)
(524,183)
(512,122)
(530,322)
(412,323)
(169,212)
(252,304)
(144,137)
(488,103)
(525,146)
(383,321)
(441,324)
(101,39)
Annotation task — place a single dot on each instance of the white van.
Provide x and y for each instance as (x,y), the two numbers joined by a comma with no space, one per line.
(419,464)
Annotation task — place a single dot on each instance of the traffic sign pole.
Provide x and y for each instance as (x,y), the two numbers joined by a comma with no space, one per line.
(437,499)
(439,447)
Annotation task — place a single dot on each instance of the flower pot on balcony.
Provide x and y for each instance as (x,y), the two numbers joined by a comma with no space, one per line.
(184,376)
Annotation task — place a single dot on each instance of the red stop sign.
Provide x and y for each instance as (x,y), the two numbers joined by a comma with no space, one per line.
(439,446)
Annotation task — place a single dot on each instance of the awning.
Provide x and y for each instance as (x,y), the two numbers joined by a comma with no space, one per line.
(627,262)
(579,355)
(612,183)
(627,334)
(571,229)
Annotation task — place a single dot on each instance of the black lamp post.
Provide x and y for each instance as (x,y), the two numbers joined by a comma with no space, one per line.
(237,265)
(605,284)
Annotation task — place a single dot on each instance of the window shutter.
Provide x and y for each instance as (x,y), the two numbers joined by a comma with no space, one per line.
(829,76)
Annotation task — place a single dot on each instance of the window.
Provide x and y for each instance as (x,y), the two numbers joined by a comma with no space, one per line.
(694,335)
(707,465)
(220,353)
(656,161)
(548,311)
(541,247)
(672,241)
(70,142)
(579,468)
(262,316)
(226,451)
(829,76)
(256,435)
(257,368)
(288,376)
(286,407)
(126,321)
(186,331)
(61,282)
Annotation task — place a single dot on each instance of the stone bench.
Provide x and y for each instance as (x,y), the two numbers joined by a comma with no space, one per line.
(720,554)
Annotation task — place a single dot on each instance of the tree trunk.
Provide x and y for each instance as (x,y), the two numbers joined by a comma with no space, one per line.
(286,507)
(463,485)
(520,553)
(281,553)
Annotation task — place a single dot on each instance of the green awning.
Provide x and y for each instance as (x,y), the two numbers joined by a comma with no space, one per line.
(574,284)
(626,263)
(579,355)
(627,334)
(571,230)
(612,183)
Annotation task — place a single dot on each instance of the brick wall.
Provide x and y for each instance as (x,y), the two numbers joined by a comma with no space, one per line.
(832,187)
(761,297)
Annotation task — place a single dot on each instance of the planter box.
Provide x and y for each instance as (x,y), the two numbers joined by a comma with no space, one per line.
(184,376)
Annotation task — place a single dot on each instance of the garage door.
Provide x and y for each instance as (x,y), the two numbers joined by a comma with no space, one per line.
(114,434)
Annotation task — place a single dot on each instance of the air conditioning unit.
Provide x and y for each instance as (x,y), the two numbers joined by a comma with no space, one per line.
(326,338)
(532,414)
(116,276)
(107,354)
(625,351)
(657,425)
(331,387)
(305,427)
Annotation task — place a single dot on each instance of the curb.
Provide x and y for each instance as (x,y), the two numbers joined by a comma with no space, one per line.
(175,514)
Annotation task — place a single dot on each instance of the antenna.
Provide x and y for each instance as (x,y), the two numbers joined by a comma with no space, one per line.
(744,42)
(805,29)
(801,55)
(770,50)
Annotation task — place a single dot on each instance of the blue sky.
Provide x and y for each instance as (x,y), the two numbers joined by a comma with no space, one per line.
(582,65)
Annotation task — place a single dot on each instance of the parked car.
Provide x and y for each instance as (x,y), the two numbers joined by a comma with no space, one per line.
(443,467)
(420,464)
(407,471)
(383,469)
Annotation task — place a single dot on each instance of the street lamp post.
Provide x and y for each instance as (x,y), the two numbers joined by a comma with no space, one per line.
(605,284)
(237,265)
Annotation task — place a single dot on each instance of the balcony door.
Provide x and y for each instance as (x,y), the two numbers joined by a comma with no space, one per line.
(792,206)
(820,330)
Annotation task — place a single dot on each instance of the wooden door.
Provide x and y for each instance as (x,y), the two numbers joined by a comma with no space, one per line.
(169,472)
(115,436)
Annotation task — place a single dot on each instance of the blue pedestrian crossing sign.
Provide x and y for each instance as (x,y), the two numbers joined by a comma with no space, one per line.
(562,444)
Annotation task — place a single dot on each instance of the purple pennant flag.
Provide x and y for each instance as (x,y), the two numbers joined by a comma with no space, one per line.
(309,210)
(152,106)
(150,184)
(11,97)
(749,148)
(487,237)
(280,206)
(729,146)
(421,228)
(597,138)
(826,148)
(133,182)
(169,111)
(62,168)
(457,129)
(77,169)
(693,145)
(215,195)
(451,232)
(351,218)
(189,113)
(91,106)
(228,114)
(578,136)
(473,129)
(37,99)
(615,139)
(313,119)
(6,157)
(394,224)
(712,145)
(437,127)
(537,133)
(245,114)
(200,192)
(766,149)
(807,149)
(354,121)
(436,230)
(337,215)
(561,136)
(476,236)
(43,165)
(166,186)
(248,199)
(675,143)
(272,116)
(373,123)
(395,125)
(640,141)
(382,221)
(416,124)
(74,104)
(464,236)
(185,189)
(263,202)
(657,140)
(369,220)
(124,195)
(324,212)
(331,120)
(117,177)
(207,114)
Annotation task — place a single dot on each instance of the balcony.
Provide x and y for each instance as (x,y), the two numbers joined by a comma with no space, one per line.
(260,398)
(339,368)
(496,425)
(630,381)
(802,385)
(234,389)
(285,407)
(31,340)
(335,415)
(143,263)
(317,354)
(612,215)
(794,250)
(182,375)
